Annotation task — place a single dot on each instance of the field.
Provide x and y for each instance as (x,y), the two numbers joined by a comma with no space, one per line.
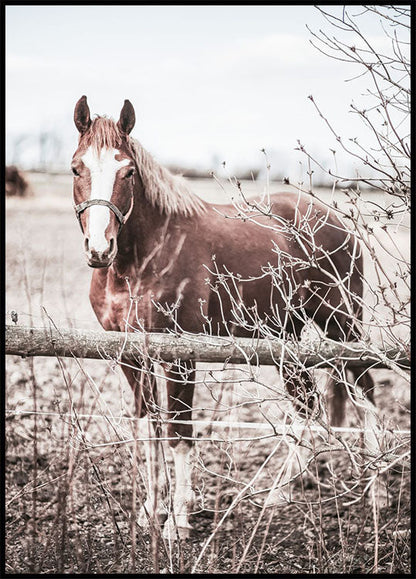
(71,464)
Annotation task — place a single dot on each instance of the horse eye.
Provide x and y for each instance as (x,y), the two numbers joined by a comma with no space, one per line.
(130,173)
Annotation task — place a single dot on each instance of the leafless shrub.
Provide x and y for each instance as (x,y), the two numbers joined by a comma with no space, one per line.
(249,442)
(374,205)
(383,159)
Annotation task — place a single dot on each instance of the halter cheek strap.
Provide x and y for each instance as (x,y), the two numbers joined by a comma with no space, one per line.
(120,217)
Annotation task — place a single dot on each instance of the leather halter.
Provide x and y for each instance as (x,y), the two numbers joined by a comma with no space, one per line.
(85,204)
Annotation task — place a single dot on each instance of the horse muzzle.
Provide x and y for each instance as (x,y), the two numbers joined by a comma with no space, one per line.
(96,264)
(100,259)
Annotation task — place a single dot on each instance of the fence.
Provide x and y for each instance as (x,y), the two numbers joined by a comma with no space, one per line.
(29,341)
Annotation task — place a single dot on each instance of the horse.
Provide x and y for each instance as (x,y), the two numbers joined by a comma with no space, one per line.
(16,184)
(149,239)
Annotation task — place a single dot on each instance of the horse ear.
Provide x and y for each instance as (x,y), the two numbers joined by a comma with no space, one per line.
(127,118)
(82,117)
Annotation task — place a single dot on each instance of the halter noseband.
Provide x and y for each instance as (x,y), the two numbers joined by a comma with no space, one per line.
(85,204)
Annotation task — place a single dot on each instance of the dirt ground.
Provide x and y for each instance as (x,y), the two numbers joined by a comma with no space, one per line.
(70,462)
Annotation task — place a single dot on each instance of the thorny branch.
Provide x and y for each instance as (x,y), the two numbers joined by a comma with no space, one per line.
(374,208)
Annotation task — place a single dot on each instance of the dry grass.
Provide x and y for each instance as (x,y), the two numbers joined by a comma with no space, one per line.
(70,474)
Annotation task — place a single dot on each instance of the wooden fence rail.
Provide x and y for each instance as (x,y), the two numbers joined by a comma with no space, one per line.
(28,341)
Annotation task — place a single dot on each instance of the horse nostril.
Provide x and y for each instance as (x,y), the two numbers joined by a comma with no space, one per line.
(86,244)
(111,245)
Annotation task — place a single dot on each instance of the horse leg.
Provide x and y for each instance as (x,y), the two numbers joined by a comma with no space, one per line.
(363,393)
(180,389)
(337,400)
(362,396)
(143,384)
(299,385)
(362,390)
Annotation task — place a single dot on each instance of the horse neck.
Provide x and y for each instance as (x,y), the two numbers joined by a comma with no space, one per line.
(143,230)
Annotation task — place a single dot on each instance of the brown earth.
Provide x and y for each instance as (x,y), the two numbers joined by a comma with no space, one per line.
(70,467)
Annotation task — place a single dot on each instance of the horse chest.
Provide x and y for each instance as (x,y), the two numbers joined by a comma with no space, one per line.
(136,303)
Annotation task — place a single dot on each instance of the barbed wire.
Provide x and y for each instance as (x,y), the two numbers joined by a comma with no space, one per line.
(277,429)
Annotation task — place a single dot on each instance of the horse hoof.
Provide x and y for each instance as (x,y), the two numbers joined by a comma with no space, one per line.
(277,498)
(381,496)
(144,520)
(173,532)
(306,481)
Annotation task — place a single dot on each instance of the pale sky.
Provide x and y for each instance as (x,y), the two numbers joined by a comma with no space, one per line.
(208,83)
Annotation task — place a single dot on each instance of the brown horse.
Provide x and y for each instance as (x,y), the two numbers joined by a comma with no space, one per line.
(192,266)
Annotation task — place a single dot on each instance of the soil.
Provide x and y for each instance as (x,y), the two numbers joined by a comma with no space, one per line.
(70,462)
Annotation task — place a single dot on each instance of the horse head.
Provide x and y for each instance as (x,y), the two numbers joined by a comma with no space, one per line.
(104,176)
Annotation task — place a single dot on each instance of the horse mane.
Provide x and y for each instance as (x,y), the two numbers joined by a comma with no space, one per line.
(102,134)
(169,192)
(162,188)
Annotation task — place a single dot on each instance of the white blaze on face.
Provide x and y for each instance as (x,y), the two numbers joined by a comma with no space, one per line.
(103,168)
